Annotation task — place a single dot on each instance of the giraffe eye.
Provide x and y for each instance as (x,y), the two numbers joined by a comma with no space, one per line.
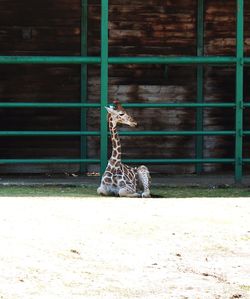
(121,113)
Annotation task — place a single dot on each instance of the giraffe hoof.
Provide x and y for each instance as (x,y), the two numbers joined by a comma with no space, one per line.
(146,194)
(101,191)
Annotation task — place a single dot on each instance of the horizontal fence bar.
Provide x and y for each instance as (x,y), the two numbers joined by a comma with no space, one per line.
(246,105)
(48,105)
(176,161)
(178,105)
(246,60)
(49,133)
(150,161)
(125,105)
(174,133)
(49,60)
(7,59)
(174,60)
(120,60)
(122,133)
(27,161)
(128,105)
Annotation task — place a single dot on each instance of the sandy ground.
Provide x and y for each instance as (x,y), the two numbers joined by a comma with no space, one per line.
(124,248)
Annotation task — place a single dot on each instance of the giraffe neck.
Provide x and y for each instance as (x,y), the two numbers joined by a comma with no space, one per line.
(115,139)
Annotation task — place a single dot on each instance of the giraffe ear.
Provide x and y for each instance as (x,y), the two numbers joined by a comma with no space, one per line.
(110,110)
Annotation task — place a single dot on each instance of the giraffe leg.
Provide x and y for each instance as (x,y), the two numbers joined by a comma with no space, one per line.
(125,192)
(102,190)
(144,180)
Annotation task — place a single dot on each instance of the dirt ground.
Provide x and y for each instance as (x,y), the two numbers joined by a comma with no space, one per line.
(124,248)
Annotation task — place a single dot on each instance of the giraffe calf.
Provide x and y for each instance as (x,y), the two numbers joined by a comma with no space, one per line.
(120,179)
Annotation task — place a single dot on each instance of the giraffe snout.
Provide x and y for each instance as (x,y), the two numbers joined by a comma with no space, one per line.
(133,124)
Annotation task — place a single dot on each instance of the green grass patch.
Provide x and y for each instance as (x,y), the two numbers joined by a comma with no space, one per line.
(245,287)
(90,191)
(62,191)
(183,192)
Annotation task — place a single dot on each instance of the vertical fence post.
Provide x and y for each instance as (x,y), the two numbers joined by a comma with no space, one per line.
(104,84)
(239,90)
(84,82)
(200,79)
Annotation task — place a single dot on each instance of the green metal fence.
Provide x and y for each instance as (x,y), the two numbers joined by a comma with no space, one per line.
(104,60)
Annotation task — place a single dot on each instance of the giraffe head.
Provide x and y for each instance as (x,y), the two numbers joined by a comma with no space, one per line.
(119,115)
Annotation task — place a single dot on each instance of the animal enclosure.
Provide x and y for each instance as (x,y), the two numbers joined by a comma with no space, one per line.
(181,66)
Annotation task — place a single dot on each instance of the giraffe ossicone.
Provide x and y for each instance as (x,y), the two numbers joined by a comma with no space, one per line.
(120,179)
